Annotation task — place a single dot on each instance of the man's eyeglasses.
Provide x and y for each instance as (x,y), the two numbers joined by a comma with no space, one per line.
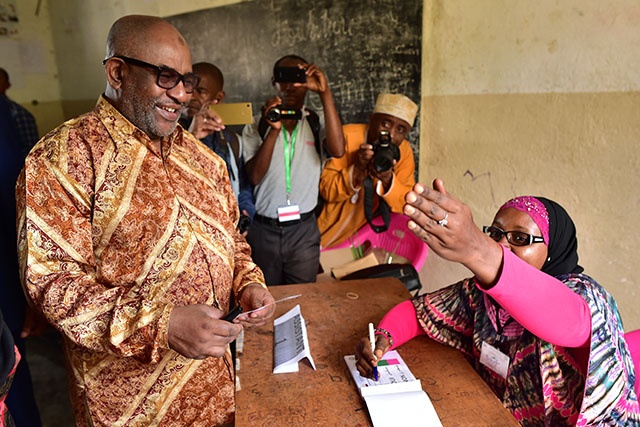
(167,77)
(516,238)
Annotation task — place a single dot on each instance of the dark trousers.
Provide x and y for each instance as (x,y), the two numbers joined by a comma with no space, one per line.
(286,253)
(21,399)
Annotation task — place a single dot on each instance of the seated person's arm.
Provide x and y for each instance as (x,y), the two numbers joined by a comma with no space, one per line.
(542,304)
(402,323)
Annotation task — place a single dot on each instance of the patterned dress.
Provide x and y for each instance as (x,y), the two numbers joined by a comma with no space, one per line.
(9,359)
(544,385)
(113,234)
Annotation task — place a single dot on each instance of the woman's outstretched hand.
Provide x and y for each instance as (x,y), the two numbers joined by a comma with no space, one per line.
(446,225)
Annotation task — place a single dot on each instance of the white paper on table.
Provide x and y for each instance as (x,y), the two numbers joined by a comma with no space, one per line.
(397,398)
(290,342)
(391,370)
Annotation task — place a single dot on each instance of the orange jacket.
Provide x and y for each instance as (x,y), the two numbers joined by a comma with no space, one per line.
(343,211)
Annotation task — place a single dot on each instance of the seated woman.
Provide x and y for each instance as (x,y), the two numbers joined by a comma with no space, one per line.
(546,338)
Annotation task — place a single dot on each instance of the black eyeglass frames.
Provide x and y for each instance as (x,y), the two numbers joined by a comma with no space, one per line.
(167,77)
(516,238)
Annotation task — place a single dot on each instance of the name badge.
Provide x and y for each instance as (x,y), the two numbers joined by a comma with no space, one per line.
(494,359)
(288,213)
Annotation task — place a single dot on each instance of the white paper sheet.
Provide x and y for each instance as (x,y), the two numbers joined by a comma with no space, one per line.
(290,342)
(397,398)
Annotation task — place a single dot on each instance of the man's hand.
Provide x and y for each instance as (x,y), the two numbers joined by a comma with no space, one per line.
(255,296)
(363,167)
(205,122)
(34,324)
(196,331)
(316,80)
(246,230)
(272,102)
(385,177)
(361,164)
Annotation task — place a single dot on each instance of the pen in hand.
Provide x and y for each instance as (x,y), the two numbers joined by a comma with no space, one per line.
(372,339)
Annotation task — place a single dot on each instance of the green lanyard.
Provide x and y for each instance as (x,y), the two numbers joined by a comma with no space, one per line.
(289,149)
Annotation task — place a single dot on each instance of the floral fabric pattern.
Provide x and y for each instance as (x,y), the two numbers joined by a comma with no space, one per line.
(113,233)
(544,385)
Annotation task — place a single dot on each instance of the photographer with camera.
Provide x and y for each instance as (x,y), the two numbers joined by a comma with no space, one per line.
(285,148)
(374,174)
(207,126)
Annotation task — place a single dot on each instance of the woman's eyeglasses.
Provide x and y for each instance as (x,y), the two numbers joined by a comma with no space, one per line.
(167,78)
(516,238)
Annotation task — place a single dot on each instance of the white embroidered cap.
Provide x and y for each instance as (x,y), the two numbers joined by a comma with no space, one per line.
(396,105)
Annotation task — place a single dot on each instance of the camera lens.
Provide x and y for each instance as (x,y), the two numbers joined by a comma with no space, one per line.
(273,115)
(280,112)
(384,152)
(383,159)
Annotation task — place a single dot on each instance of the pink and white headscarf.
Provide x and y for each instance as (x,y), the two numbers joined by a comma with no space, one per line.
(535,209)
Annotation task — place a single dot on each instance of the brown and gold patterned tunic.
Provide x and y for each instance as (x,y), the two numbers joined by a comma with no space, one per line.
(112,235)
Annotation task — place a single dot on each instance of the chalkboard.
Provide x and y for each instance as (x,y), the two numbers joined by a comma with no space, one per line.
(365,47)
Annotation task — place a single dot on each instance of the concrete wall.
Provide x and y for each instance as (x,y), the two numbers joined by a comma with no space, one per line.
(29,58)
(517,98)
(539,98)
(54,60)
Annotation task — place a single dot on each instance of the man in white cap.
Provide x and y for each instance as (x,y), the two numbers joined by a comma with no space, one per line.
(378,166)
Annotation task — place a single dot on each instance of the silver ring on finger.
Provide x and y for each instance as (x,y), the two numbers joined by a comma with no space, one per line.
(444,221)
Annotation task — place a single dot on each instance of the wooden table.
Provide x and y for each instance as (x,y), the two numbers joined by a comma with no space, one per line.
(337,314)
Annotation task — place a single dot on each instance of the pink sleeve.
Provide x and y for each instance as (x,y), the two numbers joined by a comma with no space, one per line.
(402,323)
(542,304)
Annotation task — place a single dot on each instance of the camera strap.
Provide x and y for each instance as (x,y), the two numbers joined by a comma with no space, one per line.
(383,208)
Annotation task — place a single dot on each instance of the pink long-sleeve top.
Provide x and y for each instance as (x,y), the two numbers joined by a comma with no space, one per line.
(540,303)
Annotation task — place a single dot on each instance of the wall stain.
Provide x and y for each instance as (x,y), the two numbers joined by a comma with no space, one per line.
(482,175)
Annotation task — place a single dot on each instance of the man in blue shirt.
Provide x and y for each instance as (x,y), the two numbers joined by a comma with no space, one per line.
(223,142)
(24,121)
(13,304)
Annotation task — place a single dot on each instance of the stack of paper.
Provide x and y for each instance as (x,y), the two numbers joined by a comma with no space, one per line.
(397,398)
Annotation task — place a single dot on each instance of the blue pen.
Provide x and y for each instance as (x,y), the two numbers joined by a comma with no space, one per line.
(372,339)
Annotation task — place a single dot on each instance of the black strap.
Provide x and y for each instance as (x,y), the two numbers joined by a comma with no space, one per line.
(314,124)
(383,208)
(224,149)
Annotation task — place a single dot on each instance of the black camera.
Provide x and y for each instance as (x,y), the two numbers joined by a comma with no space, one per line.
(289,75)
(384,152)
(283,113)
(243,223)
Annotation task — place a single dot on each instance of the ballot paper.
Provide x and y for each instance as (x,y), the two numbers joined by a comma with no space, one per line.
(290,342)
(397,398)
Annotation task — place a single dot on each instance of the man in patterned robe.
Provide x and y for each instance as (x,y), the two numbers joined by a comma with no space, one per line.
(128,245)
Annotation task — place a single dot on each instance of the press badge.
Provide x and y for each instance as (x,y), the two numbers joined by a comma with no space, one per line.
(494,359)
(288,213)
